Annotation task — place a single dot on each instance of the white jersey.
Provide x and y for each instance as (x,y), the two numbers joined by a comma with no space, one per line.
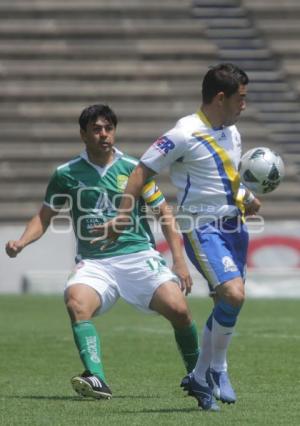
(203,165)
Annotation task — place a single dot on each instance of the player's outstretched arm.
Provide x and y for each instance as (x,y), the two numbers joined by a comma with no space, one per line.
(172,236)
(35,228)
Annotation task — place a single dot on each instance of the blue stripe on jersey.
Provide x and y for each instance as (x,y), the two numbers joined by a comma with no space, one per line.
(220,165)
(187,187)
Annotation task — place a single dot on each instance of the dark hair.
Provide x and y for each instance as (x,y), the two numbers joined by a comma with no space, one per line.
(92,112)
(222,78)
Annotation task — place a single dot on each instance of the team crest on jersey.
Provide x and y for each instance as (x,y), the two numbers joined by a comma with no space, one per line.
(229,265)
(164,145)
(122,182)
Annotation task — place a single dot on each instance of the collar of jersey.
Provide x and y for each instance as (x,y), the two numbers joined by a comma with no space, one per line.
(102,170)
(206,121)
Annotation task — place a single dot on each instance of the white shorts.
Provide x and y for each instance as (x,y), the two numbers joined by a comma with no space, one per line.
(134,277)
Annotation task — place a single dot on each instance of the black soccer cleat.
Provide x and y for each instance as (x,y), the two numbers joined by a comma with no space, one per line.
(89,385)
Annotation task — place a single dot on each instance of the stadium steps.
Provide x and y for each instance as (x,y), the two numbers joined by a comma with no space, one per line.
(246,34)
(144,58)
(16,211)
(113,70)
(273,9)
(77,49)
(92,8)
(58,57)
(64,133)
(13,191)
(278,22)
(68,111)
(64,90)
(107,29)
(272,29)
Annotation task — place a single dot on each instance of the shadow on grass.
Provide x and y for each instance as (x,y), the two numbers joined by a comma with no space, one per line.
(89,400)
(160,410)
(41,397)
(77,398)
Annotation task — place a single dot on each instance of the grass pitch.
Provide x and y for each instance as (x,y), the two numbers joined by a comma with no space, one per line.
(143,367)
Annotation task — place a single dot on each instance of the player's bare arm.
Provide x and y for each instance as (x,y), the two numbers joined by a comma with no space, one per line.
(35,228)
(169,228)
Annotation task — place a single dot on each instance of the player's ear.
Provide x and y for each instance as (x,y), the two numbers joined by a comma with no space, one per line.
(220,97)
(82,135)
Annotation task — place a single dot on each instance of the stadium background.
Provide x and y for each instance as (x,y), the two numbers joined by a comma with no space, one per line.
(145,59)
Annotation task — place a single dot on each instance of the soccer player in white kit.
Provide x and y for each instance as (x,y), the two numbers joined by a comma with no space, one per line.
(92,184)
(203,151)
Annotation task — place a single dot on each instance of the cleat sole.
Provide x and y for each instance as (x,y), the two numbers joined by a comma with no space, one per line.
(85,390)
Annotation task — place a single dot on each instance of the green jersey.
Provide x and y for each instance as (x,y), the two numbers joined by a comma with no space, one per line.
(93,195)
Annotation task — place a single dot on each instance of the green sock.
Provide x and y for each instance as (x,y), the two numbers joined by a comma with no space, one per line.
(88,344)
(188,345)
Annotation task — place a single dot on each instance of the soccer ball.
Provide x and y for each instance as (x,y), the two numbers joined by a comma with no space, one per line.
(261,170)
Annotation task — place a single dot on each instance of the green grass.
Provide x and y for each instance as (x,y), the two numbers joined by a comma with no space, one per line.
(143,367)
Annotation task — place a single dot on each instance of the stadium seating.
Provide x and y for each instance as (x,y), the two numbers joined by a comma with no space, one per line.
(246,32)
(146,59)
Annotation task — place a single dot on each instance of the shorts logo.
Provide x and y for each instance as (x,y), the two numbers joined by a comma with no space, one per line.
(229,265)
(164,145)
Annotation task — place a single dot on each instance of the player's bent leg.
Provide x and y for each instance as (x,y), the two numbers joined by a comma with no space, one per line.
(204,359)
(233,292)
(231,297)
(82,301)
(195,383)
(169,301)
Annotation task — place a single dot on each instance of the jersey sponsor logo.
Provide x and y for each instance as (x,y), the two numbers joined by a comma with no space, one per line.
(103,205)
(96,201)
(164,145)
(229,265)
(122,182)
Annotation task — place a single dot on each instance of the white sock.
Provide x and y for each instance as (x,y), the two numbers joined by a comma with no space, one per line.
(204,358)
(220,340)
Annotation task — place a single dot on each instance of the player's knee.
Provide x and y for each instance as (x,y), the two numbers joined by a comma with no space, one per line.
(233,293)
(236,297)
(180,315)
(77,309)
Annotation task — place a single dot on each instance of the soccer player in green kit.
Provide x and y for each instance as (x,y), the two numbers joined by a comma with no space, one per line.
(92,184)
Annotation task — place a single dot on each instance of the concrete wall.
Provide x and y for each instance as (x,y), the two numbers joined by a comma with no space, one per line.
(52,255)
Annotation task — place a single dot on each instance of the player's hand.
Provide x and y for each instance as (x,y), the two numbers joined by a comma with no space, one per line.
(253,207)
(110,231)
(13,248)
(181,270)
